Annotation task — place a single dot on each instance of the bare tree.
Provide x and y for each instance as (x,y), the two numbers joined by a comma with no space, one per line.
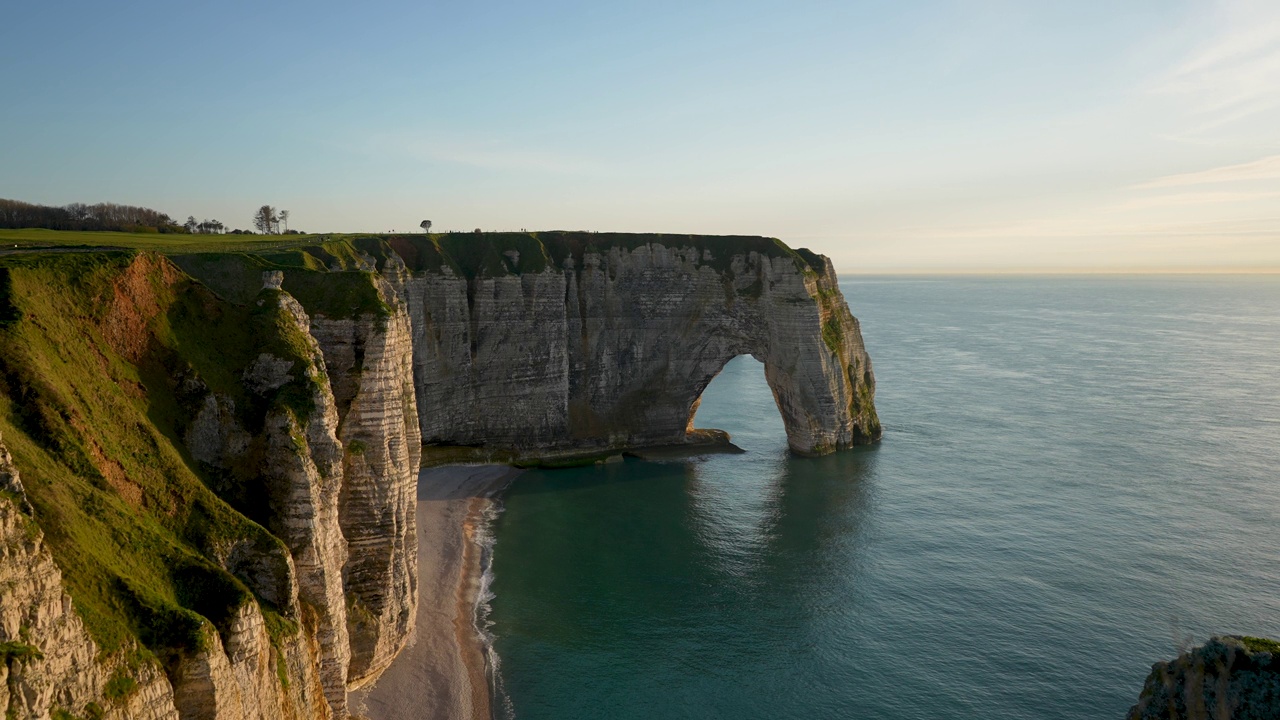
(266,219)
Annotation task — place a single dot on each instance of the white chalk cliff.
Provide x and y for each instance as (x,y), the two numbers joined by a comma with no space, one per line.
(537,346)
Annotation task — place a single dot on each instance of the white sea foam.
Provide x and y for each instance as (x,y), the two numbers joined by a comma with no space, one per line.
(484,539)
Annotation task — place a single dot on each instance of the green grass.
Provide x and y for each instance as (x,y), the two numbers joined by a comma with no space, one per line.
(483,254)
(343,292)
(120,686)
(330,274)
(12,651)
(131,523)
(833,336)
(167,243)
(99,379)
(466,253)
(1257,644)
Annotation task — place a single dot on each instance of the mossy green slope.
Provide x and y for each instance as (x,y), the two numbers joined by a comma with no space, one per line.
(95,352)
(486,254)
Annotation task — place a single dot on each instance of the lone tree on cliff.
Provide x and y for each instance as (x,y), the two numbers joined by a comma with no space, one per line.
(265,219)
(425,225)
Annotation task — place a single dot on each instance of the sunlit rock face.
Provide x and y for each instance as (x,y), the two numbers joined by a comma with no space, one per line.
(369,361)
(612,348)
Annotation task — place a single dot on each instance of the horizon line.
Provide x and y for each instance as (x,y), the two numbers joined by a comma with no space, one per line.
(1062,271)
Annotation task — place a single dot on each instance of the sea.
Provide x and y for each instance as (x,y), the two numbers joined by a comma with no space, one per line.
(1079,476)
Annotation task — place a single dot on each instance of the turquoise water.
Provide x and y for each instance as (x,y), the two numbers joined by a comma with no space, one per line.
(1075,474)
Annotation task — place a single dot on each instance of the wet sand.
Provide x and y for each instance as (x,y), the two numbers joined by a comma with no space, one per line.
(441,672)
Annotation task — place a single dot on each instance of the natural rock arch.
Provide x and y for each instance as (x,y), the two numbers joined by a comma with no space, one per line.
(612,348)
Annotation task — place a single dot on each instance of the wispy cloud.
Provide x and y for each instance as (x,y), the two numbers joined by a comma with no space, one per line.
(1100,228)
(1235,72)
(1187,199)
(1267,168)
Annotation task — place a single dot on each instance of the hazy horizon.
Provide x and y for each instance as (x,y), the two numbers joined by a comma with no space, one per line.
(934,137)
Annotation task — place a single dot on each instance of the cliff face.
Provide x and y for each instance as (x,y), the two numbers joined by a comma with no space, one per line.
(369,361)
(303,472)
(205,614)
(221,454)
(339,479)
(612,348)
(48,661)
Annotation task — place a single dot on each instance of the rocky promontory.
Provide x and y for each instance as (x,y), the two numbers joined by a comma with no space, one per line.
(209,461)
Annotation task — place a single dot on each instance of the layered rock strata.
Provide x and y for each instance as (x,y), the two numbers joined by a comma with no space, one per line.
(612,349)
(51,664)
(369,361)
(340,480)
(303,472)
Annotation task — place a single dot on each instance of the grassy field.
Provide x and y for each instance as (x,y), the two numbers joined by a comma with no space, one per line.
(167,242)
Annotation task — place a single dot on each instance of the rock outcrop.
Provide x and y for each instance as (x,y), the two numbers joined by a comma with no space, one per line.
(612,348)
(369,364)
(303,473)
(1227,678)
(340,477)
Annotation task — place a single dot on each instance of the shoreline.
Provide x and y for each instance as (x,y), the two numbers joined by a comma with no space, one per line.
(473,647)
(443,670)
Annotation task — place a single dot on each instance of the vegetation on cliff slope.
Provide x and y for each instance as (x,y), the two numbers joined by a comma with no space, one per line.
(98,352)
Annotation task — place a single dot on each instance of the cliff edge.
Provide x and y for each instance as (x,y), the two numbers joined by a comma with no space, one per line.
(209,461)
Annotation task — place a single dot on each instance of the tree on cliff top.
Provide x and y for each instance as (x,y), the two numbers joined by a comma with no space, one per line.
(266,219)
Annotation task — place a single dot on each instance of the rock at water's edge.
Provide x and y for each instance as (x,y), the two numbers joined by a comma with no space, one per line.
(1228,678)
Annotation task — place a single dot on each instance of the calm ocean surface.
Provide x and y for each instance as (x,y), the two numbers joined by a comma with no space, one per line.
(1074,474)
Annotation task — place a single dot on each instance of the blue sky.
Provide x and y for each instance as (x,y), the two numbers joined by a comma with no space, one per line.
(892,136)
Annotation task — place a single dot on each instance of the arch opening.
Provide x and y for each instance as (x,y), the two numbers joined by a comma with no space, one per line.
(739,401)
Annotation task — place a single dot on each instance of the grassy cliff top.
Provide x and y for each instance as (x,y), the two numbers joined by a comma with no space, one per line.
(486,254)
(466,253)
(333,275)
(168,243)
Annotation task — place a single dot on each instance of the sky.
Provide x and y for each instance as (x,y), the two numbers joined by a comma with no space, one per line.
(894,136)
